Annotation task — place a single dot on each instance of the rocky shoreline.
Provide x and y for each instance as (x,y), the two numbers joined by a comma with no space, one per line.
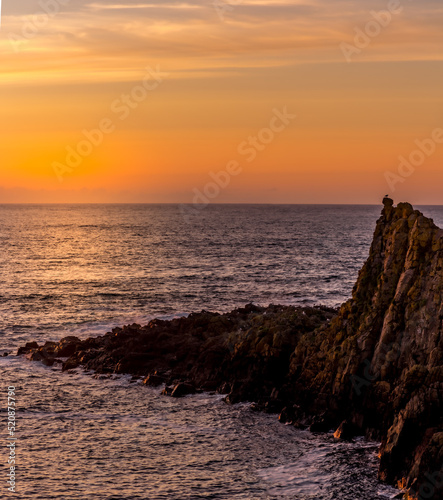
(374,367)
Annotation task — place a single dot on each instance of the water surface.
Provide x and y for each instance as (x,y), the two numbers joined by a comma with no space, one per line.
(70,269)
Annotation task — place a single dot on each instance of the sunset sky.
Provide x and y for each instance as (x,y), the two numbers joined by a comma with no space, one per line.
(225,69)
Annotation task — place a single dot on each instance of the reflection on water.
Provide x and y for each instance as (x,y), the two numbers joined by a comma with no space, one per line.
(84,269)
(69,267)
(81,437)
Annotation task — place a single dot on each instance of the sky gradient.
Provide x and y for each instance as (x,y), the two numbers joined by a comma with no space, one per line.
(224,70)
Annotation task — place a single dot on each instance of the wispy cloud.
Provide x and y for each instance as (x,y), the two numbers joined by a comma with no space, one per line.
(99,37)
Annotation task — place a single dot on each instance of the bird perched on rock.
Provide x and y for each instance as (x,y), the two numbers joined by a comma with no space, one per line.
(387,200)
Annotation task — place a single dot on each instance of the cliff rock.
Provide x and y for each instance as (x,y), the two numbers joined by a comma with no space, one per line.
(379,364)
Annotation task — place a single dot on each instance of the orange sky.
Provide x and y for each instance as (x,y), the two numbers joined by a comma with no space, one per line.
(220,82)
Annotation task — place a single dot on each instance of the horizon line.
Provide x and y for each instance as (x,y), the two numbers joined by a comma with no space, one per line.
(203,206)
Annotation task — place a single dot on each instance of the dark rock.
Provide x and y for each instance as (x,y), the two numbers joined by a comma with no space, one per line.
(70,364)
(154,380)
(48,349)
(321,424)
(268,406)
(302,424)
(132,363)
(231,399)
(379,363)
(183,389)
(42,357)
(290,414)
(167,391)
(273,406)
(225,388)
(29,346)
(67,347)
(210,386)
(345,432)
(239,393)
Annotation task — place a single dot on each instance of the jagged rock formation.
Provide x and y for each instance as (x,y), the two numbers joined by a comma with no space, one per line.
(245,353)
(380,362)
(375,368)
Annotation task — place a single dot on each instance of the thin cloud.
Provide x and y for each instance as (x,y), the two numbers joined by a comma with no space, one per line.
(93,40)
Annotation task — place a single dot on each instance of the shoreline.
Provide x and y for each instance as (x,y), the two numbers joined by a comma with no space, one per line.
(176,383)
(372,368)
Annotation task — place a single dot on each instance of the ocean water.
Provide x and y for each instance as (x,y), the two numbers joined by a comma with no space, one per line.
(83,269)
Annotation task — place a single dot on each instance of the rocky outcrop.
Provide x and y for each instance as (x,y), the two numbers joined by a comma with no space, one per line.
(373,368)
(379,364)
(245,353)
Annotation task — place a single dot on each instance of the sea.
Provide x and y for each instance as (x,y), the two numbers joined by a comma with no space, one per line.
(85,269)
